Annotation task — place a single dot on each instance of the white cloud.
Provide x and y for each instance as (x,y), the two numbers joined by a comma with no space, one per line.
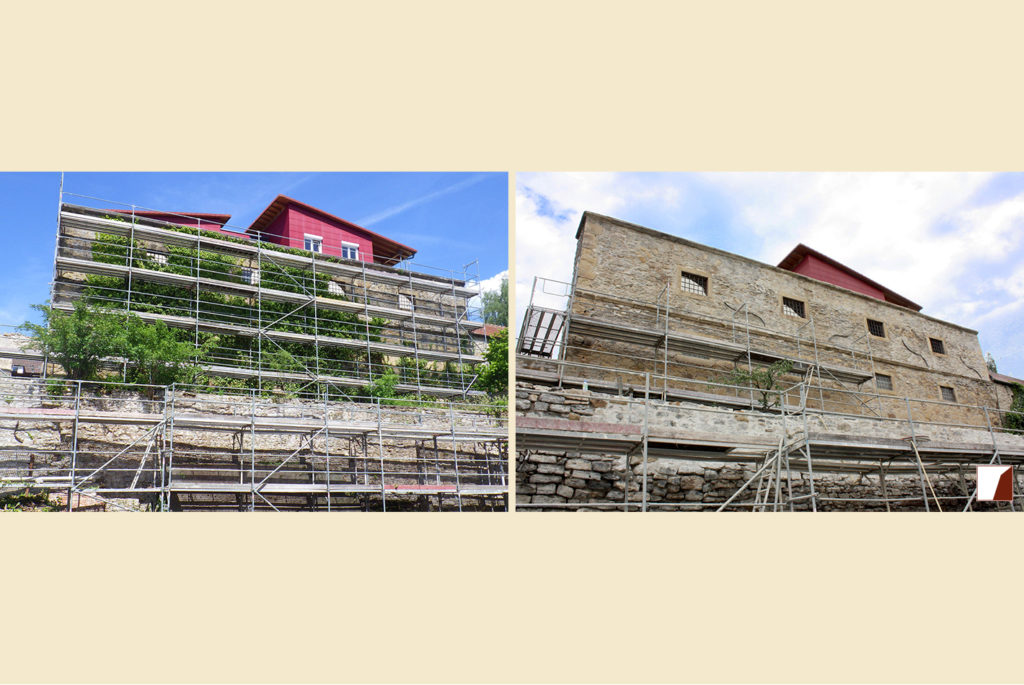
(913,232)
(548,211)
(921,234)
(423,199)
(487,285)
(494,282)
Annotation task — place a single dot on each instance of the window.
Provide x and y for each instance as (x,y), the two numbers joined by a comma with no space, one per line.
(158,257)
(937,346)
(792,307)
(313,243)
(948,393)
(334,288)
(694,283)
(883,382)
(251,276)
(405,302)
(17,370)
(876,328)
(350,251)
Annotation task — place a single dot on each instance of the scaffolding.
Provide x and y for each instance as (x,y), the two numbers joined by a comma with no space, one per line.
(885,436)
(202,448)
(557,311)
(281,314)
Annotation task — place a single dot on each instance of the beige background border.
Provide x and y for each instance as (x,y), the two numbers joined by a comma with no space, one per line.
(529,86)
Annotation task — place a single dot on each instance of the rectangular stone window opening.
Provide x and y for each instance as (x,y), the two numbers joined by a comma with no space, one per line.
(876,328)
(694,283)
(251,276)
(883,382)
(948,394)
(938,347)
(792,307)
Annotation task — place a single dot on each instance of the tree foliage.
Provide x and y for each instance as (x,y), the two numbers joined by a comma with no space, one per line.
(990,362)
(766,380)
(495,305)
(493,378)
(157,356)
(78,340)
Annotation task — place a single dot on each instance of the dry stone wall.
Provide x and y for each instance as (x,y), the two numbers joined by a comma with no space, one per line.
(558,478)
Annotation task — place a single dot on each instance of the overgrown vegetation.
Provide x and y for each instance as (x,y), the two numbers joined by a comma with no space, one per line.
(102,327)
(766,381)
(27,501)
(1015,421)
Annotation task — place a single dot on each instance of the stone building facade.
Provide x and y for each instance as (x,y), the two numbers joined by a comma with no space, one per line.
(631,275)
(656,330)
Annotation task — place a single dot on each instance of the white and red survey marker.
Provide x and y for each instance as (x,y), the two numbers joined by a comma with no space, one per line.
(995,483)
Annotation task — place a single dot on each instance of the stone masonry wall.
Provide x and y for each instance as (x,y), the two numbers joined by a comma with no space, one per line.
(41,445)
(567,477)
(635,264)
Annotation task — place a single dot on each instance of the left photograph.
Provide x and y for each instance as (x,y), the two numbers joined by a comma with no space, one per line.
(254,342)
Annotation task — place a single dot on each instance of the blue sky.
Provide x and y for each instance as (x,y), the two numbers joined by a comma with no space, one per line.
(450,218)
(952,242)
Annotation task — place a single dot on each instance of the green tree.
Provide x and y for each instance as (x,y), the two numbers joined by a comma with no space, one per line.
(990,362)
(766,380)
(77,340)
(495,305)
(493,378)
(157,356)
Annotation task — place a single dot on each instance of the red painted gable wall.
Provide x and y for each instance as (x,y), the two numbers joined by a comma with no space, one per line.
(291,226)
(812,267)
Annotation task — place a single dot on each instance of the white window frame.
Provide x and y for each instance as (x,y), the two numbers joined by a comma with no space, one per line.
(250,275)
(406,302)
(354,246)
(310,239)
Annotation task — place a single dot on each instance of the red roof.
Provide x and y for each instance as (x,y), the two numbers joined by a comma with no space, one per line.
(213,218)
(281,202)
(1003,378)
(488,329)
(802,252)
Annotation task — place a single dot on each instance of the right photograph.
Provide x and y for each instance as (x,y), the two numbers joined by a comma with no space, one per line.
(769,341)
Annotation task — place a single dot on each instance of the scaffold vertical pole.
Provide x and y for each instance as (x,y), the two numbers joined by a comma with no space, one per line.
(327,454)
(920,464)
(647,403)
(252,449)
(807,447)
(380,449)
(74,444)
(455,453)
(415,339)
